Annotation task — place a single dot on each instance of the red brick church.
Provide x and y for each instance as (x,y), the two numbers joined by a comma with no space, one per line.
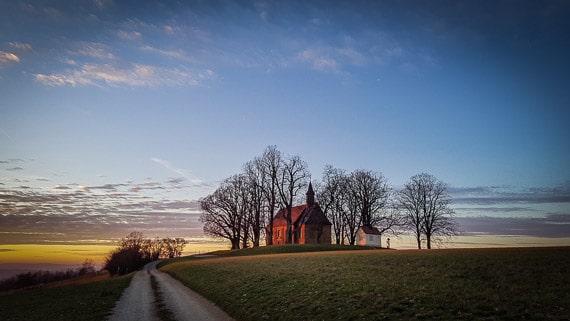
(310,224)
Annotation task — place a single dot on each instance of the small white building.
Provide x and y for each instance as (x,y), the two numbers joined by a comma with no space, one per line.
(367,235)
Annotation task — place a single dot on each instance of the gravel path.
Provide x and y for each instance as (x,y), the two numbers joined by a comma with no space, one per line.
(137,302)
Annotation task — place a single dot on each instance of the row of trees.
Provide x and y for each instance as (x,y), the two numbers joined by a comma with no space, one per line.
(363,197)
(134,251)
(245,203)
(41,277)
(351,200)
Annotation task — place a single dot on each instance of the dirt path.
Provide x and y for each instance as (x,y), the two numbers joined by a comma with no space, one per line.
(137,302)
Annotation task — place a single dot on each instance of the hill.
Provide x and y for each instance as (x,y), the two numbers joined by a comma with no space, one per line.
(80,299)
(466,284)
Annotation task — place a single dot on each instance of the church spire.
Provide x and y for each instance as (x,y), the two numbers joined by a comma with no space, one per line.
(310,195)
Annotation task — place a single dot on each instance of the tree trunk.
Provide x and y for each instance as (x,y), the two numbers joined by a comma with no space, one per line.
(235,243)
(289,238)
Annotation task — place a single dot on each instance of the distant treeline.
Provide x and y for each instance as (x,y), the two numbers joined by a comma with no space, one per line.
(29,279)
(134,252)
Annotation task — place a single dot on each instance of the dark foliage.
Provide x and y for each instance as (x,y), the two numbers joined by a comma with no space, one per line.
(134,252)
(29,279)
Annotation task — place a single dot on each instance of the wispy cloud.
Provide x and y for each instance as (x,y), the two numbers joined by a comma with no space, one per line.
(176,54)
(488,195)
(318,60)
(553,225)
(78,215)
(94,50)
(20,46)
(186,174)
(135,76)
(129,35)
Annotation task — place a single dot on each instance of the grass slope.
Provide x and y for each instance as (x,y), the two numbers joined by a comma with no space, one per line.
(474,284)
(83,300)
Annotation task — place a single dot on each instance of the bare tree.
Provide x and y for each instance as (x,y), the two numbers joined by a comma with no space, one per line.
(270,164)
(330,197)
(426,204)
(172,247)
(224,210)
(371,193)
(255,184)
(351,213)
(292,178)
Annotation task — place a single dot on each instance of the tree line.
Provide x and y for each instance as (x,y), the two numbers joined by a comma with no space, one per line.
(41,277)
(243,207)
(134,251)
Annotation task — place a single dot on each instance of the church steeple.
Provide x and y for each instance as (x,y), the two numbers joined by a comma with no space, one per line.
(310,195)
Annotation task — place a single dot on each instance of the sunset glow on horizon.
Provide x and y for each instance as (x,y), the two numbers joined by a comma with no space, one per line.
(119,116)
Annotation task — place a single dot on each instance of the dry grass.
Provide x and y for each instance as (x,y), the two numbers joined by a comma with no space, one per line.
(474,284)
(80,299)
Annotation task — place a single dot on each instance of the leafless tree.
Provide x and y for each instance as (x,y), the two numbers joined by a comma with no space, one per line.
(172,247)
(351,214)
(255,187)
(426,204)
(223,211)
(371,192)
(152,249)
(133,241)
(330,197)
(270,164)
(293,177)
(359,198)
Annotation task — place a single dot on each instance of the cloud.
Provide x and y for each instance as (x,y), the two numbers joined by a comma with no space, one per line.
(129,35)
(176,181)
(7,57)
(318,60)
(45,216)
(135,76)
(94,50)
(171,30)
(489,195)
(176,54)
(553,225)
(17,168)
(21,46)
(354,57)
(186,174)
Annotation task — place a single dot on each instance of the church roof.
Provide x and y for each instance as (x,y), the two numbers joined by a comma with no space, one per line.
(367,229)
(302,214)
(308,214)
(313,216)
(296,211)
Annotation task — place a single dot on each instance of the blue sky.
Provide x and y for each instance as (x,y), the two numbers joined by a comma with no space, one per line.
(123,101)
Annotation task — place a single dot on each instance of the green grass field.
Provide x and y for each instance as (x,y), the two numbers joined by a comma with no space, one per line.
(84,300)
(467,284)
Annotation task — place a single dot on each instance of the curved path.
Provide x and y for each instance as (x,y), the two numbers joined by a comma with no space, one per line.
(137,302)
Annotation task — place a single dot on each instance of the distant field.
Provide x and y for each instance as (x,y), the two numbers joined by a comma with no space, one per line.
(473,284)
(83,299)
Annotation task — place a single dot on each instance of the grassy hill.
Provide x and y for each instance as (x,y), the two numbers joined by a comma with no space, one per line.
(339,283)
(80,299)
(467,284)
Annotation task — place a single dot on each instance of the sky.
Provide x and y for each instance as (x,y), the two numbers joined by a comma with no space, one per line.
(120,115)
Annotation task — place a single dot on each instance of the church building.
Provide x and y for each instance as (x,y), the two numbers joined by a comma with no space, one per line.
(310,224)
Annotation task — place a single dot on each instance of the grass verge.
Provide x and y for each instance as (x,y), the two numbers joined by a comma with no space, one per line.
(471,284)
(163,313)
(86,300)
